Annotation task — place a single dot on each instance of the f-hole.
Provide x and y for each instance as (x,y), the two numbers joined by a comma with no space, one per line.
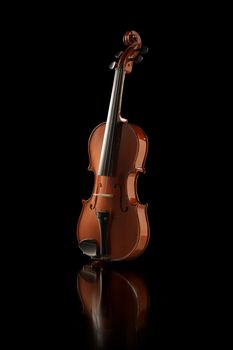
(92,206)
(123,209)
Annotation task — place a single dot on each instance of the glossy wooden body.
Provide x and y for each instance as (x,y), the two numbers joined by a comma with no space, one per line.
(128,229)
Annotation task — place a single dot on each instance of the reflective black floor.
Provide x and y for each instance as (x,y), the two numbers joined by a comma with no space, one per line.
(122,306)
(67,302)
(116,306)
(112,309)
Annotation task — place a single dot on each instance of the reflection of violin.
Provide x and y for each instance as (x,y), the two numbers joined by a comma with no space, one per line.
(113,224)
(117,304)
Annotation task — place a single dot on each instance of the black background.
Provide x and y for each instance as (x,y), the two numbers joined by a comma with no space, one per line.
(62,85)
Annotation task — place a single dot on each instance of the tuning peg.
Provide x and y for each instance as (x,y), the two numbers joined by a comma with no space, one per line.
(144,50)
(138,59)
(117,55)
(112,65)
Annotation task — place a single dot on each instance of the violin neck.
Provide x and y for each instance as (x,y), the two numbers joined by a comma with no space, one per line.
(111,133)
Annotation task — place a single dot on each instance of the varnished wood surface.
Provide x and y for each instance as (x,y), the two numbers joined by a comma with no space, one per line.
(129,226)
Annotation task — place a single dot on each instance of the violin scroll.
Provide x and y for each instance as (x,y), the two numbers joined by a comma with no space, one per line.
(132,54)
(132,38)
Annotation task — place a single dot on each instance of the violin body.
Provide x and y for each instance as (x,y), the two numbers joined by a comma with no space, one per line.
(128,225)
(113,224)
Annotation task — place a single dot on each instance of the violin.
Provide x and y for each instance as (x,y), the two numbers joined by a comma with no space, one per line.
(113,224)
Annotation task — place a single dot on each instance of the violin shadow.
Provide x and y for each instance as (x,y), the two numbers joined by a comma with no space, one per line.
(116,303)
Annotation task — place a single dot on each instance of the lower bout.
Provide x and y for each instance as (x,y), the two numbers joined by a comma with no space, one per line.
(127,235)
